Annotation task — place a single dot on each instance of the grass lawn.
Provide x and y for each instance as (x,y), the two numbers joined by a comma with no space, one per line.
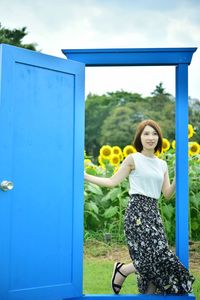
(98,266)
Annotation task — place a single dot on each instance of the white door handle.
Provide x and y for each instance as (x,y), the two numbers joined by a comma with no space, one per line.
(6,185)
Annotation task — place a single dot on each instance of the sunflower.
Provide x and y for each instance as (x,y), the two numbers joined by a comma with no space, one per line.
(165,145)
(158,153)
(190,131)
(114,160)
(128,149)
(174,144)
(91,168)
(102,160)
(118,151)
(87,162)
(106,151)
(193,148)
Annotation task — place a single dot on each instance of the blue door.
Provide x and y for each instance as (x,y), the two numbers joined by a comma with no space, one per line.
(41,152)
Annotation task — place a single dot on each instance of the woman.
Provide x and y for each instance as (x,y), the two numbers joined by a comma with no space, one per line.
(158,270)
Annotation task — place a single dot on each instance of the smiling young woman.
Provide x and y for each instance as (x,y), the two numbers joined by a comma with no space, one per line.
(157,268)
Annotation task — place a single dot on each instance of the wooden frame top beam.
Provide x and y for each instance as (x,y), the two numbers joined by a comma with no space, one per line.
(131,56)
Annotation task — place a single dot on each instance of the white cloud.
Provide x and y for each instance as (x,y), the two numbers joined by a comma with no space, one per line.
(140,80)
(65,24)
(183,32)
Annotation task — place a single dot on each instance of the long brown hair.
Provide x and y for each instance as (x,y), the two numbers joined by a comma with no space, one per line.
(137,139)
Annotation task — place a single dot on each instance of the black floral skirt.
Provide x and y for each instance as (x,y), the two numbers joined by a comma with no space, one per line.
(149,250)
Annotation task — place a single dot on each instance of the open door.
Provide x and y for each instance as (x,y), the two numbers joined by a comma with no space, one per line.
(41,152)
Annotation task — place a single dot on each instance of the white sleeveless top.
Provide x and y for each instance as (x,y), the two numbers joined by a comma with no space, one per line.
(147,177)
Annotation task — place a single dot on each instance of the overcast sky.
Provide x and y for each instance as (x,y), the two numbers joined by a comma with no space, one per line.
(69,24)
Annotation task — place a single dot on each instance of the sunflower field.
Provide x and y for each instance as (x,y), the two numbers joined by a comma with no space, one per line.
(105,207)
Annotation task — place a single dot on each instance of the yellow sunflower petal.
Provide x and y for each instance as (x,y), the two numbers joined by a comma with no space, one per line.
(174,144)
(128,150)
(190,131)
(116,169)
(87,162)
(165,144)
(158,153)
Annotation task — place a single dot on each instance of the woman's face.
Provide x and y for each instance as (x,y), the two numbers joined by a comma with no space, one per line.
(149,138)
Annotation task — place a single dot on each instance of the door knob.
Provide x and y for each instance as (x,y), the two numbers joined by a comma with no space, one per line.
(6,185)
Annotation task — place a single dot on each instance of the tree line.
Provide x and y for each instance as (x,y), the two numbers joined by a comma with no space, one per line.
(111,119)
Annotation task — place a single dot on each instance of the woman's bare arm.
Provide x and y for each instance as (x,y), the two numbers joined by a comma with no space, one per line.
(168,189)
(126,167)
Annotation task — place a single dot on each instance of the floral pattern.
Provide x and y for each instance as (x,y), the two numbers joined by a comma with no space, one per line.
(149,250)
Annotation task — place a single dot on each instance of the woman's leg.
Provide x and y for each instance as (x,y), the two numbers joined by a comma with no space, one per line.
(151,288)
(126,270)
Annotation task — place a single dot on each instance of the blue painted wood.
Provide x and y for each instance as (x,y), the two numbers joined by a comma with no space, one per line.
(137,297)
(182,247)
(41,151)
(131,56)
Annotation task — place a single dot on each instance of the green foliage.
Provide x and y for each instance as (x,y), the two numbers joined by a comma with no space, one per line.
(194,179)
(97,110)
(105,208)
(15,37)
(112,118)
(194,117)
(118,127)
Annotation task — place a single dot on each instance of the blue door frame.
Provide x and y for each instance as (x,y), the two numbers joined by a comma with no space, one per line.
(180,58)
(48,90)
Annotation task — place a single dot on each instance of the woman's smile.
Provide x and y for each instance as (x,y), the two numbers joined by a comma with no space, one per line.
(150,143)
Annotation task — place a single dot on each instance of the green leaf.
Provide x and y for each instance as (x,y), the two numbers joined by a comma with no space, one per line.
(95,189)
(93,207)
(92,215)
(195,225)
(110,212)
(112,194)
(194,200)
(168,211)
(124,201)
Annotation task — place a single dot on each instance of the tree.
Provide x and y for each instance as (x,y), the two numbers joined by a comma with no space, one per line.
(112,118)
(14,37)
(98,109)
(119,127)
(160,90)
